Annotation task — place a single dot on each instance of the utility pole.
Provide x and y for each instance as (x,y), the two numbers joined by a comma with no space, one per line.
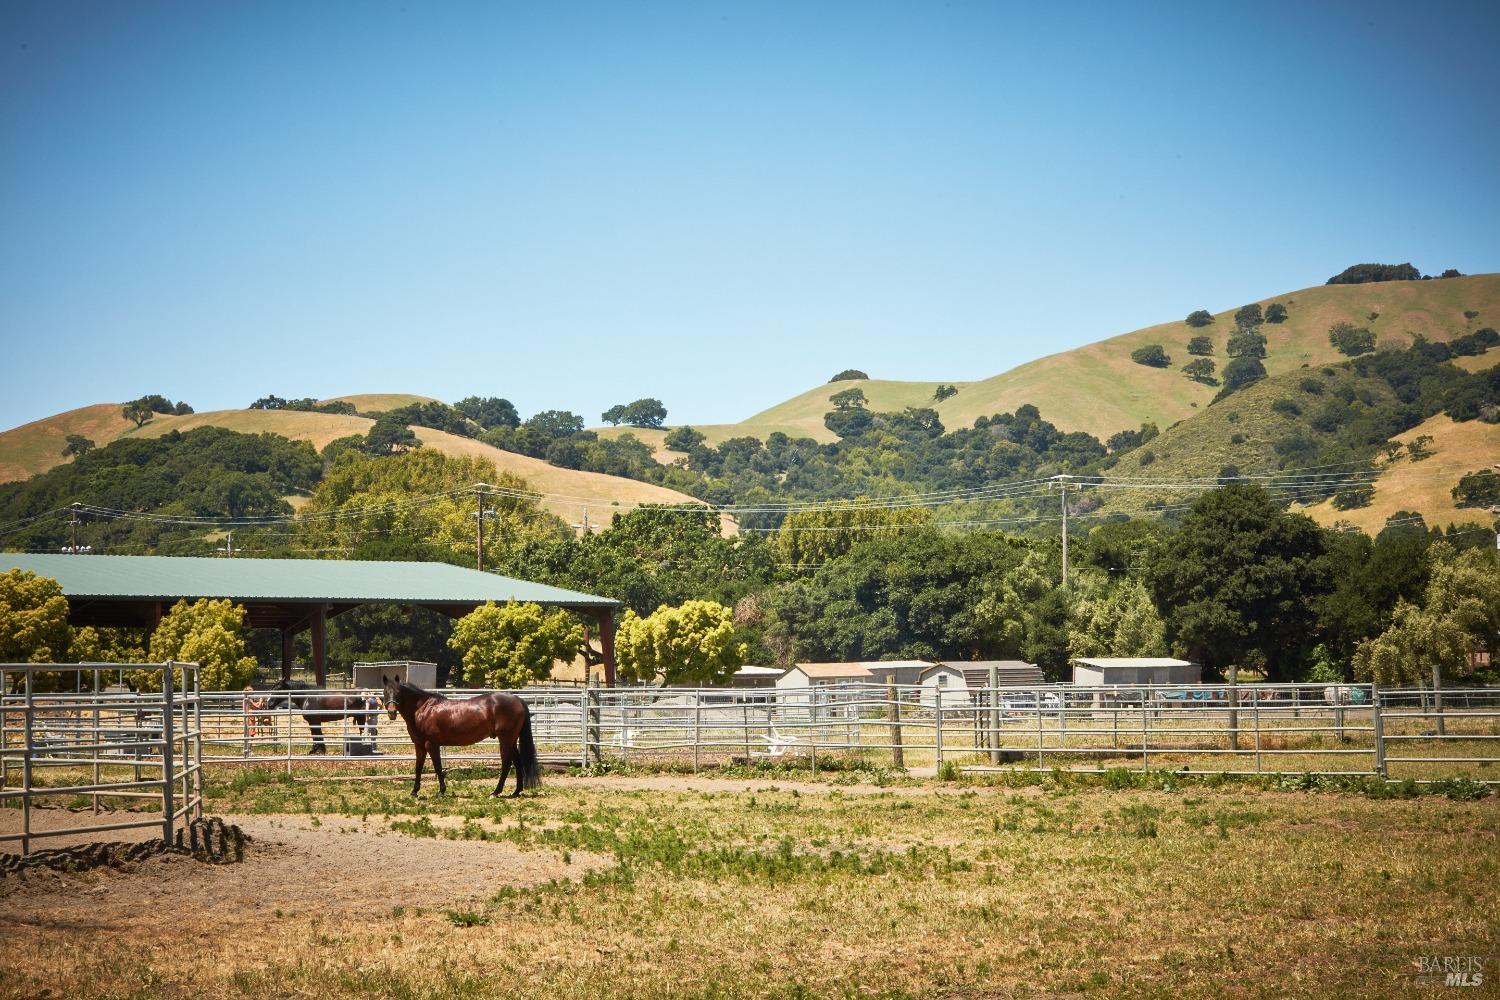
(73,524)
(479,489)
(1063,485)
(228,548)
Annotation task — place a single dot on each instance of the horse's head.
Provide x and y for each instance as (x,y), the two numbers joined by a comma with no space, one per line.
(392,693)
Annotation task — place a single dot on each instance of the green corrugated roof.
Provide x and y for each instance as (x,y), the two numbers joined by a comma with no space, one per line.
(167,578)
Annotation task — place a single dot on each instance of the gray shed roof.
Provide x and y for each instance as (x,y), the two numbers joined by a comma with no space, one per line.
(1131,661)
(169,578)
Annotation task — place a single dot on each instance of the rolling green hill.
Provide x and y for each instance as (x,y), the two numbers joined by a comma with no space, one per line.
(1098,389)
(802,415)
(37,447)
(1245,431)
(571,491)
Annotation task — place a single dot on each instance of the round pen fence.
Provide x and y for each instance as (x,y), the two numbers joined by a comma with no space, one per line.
(72,736)
(1267,729)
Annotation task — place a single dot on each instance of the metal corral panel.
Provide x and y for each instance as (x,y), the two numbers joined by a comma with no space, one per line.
(333,581)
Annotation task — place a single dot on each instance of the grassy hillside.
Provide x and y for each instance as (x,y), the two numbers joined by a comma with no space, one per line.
(572,490)
(1097,388)
(37,446)
(1426,486)
(379,402)
(802,415)
(1242,431)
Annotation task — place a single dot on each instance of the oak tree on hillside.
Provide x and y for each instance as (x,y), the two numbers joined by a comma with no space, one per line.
(490,411)
(1201,370)
(1152,356)
(138,412)
(848,398)
(1239,373)
(1200,346)
(77,446)
(1248,317)
(849,375)
(1200,317)
(1352,340)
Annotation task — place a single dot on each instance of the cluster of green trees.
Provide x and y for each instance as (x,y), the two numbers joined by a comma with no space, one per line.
(306,404)
(1360,274)
(205,472)
(1239,581)
(1151,355)
(1351,340)
(34,628)
(641,413)
(141,411)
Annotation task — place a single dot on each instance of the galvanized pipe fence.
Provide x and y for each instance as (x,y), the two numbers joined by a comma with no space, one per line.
(68,735)
(1244,729)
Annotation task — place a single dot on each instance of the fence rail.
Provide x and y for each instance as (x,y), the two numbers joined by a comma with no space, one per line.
(1345,729)
(140,748)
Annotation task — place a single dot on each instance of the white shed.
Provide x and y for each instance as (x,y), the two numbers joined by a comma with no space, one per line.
(755,677)
(950,681)
(1101,671)
(810,675)
(901,671)
(367,675)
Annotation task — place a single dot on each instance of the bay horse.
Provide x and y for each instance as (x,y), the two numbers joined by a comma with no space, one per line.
(434,722)
(317,707)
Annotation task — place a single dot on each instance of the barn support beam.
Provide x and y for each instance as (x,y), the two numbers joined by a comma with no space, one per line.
(287,635)
(606,619)
(320,644)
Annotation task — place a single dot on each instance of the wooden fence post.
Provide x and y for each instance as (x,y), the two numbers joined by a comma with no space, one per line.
(893,714)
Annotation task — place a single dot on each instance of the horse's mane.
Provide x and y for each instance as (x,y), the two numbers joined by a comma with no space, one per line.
(419,692)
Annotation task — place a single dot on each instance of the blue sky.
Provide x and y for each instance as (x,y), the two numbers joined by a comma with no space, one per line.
(573,205)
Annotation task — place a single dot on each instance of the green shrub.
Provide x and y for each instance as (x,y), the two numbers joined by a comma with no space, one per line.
(1152,356)
(1352,340)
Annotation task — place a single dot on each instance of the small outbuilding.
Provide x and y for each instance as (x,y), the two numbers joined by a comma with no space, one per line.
(755,677)
(1008,673)
(371,676)
(811,675)
(1106,671)
(902,672)
(949,680)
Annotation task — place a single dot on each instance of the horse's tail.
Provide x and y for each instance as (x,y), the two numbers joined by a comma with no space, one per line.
(528,768)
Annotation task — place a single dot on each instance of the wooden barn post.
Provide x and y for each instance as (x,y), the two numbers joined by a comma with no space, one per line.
(320,644)
(606,619)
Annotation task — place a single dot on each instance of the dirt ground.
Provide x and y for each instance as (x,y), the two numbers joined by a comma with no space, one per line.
(294,865)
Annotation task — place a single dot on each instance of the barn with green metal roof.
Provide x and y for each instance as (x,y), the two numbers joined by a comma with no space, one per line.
(291,595)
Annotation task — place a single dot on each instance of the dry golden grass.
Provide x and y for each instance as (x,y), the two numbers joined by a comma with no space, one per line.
(781,889)
(37,446)
(1097,388)
(1426,486)
(571,490)
(379,402)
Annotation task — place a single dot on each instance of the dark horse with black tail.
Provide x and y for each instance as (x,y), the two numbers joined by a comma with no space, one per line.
(434,722)
(317,707)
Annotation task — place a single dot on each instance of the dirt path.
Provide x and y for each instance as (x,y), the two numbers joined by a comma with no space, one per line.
(295,865)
